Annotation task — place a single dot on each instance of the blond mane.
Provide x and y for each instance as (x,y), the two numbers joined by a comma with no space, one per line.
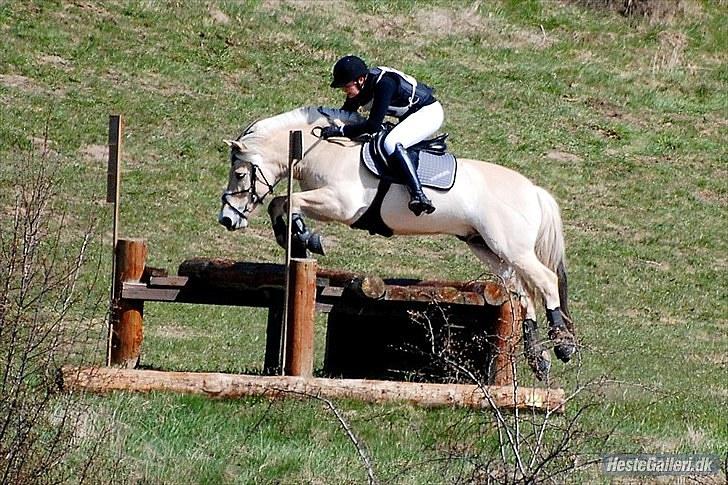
(296,119)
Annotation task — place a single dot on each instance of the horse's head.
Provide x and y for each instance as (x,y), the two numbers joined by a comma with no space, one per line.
(248,185)
(258,159)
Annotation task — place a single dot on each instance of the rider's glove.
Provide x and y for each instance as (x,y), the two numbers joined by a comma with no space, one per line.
(329,131)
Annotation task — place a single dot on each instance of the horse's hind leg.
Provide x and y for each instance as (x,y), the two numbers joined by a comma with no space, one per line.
(545,281)
(536,355)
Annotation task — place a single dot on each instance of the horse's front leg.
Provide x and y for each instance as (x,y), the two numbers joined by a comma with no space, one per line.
(277,211)
(319,204)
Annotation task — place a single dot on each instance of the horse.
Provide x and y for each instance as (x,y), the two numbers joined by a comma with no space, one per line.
(512,225)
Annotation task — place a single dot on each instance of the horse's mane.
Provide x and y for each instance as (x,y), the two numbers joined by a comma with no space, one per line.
(298,118)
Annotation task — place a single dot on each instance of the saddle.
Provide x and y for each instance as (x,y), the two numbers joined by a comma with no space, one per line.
(436,168)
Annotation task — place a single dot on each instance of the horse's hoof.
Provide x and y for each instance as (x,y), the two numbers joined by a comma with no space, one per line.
(315,244)
(565,352)
(564,345)
(541,365)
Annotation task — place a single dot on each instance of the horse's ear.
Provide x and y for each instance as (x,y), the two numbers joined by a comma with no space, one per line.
(234,143)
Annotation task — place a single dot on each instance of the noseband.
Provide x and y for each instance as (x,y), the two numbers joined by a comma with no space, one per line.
(255,199)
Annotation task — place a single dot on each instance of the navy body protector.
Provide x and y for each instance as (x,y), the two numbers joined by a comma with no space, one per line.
(410,95)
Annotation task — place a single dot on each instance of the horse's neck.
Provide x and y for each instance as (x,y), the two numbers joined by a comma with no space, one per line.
(326,162)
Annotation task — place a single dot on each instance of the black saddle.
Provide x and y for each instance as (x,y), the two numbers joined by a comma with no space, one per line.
(436,167)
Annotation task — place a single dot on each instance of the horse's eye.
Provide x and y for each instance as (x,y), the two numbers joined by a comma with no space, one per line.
(240,175)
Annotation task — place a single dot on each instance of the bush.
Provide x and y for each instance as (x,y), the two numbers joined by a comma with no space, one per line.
(46,311)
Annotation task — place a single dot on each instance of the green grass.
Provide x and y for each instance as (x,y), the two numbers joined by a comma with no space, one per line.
(624,121)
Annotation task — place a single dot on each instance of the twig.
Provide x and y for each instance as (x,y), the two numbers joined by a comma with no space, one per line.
(357,444)
(360,448)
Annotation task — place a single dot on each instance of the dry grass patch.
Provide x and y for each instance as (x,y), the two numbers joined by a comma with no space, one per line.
(21,83)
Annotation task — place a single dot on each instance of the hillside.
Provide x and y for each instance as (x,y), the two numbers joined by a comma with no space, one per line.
(624,119)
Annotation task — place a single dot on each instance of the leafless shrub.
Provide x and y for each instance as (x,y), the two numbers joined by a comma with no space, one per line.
(525,446)
(46,309)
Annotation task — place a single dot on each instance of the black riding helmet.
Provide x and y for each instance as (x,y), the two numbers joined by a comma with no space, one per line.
(347,69)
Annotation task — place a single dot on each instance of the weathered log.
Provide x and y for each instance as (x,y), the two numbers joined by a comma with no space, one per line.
(225,273)
(367,287)
(439,294)
(220,385)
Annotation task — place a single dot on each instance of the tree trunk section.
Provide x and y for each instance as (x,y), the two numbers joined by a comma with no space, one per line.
(219,385)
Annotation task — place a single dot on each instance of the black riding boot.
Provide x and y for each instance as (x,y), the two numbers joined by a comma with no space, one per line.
(419,202)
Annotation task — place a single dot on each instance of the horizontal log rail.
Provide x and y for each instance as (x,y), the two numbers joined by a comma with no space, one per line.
(219,385)
(215,281)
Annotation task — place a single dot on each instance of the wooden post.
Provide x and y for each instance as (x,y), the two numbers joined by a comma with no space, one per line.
(507,331)
(295,152)
(127,329)
(113,182)
(301,312)
(272,362)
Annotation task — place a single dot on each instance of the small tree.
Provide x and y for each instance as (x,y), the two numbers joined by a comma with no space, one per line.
(46,319)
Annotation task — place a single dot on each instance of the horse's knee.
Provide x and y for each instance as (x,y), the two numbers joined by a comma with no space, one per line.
(275,208)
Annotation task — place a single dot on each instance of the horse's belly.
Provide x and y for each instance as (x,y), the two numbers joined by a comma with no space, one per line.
(448,218)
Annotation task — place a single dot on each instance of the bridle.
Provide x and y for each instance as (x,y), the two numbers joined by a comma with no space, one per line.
(255,199)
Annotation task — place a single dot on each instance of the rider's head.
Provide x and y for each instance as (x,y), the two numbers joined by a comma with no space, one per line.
(349,74)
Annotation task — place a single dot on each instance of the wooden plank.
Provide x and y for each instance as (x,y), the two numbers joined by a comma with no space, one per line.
(173,281)
(331,291)
(140,291)
(259,297)
(218,385)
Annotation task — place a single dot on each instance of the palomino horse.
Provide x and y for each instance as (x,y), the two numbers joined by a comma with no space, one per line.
(510,224)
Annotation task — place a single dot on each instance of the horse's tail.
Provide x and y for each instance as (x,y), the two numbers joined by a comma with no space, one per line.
(550,247)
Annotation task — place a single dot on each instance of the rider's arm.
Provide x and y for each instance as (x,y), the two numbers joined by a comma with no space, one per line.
(350,105)
(383,93)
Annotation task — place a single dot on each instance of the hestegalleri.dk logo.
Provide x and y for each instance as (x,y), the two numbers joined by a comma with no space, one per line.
(660,464)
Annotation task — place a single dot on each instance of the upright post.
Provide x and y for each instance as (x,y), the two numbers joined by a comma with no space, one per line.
(507,331)
(301,313)
(295,152)
(127,326)
(113,181)
(272,361)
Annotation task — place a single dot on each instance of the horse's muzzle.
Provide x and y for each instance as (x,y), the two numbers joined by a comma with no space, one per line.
(227,222)
(232,221)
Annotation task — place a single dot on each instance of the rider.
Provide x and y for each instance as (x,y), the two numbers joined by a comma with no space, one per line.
(389,92)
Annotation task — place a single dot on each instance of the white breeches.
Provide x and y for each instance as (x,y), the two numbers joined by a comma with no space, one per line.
(416,127)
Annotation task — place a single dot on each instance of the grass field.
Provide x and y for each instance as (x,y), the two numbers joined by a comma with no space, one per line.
(624,120)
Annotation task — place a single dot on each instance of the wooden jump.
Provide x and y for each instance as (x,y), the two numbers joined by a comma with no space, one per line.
(352,301)
(225,282)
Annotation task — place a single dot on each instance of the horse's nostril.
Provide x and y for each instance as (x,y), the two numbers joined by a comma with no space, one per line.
(227,222)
